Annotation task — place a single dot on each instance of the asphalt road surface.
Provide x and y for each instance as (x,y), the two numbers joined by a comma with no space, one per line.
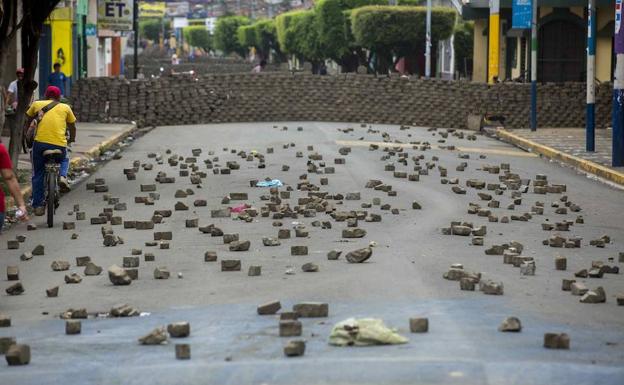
(231,344)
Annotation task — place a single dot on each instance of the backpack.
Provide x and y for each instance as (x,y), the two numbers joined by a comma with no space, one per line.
(31,132)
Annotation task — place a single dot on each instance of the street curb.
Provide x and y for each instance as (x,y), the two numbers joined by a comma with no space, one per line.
(549,152)
(93,151)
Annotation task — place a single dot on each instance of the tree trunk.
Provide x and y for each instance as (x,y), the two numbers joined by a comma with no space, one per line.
(31,32)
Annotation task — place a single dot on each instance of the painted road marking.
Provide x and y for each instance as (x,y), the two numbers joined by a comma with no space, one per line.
(491,151)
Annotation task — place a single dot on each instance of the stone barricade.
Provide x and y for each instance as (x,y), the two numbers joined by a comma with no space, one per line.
(186,99)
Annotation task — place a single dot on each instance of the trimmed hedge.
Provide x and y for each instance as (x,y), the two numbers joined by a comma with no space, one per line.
(225,34)
(197,36)
(399,28)
(150,28)
(285,32)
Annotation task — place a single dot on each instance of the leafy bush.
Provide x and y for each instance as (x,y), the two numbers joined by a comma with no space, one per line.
(307,40)
(197,36)
(400,28)
(284,31)
(150,29)
(225,34)
(246,36)
(463,43)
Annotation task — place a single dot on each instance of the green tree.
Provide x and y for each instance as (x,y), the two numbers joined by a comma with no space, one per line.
(150,28)
(398,30)
(197,36)
(307,42)
(225,35)
(333,23)
(284,31)
(463,44)
(246,36)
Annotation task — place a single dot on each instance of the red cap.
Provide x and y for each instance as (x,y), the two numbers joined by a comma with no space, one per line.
(52,92)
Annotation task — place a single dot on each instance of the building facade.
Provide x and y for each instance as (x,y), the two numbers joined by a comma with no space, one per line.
(562,41)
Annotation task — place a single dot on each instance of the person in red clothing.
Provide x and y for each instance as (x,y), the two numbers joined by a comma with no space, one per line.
(6,170)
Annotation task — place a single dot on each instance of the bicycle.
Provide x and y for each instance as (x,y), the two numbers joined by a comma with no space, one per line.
(52,193)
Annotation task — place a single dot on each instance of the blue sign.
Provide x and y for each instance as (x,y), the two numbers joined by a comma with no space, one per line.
(90,29)
(522,13)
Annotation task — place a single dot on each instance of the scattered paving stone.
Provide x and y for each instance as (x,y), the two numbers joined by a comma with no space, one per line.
(419,325)
(561,263)
(310,268)
(266,241)
(12,273)
(161,273)
(299,250)
(18,354)
(183,351)
(73,278)
(254,271)
(333,255)
(556,341)
(60,265)
(124,310)
(118,276)
(311,309)
(5,321)
(82,261)
(52,292)
(353,232)
(230,265)
(294,348)
(240,245)
(92,269)
(38,250)
(179,329)
(155,337)
(360,255)
(210,256)
(73,327)
(467,284)
(491,287)
(578,288)
(13,244)
(15,289)
(269,308)
(510,324)
(180,206)
(74,314)
(594,296)
(290,328)
(5,343)
(527,268)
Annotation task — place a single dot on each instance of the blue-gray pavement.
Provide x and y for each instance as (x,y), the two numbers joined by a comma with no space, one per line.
(462,346)
(403,279)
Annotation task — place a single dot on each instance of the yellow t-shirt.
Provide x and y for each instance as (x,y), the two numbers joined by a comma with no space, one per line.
(52,127)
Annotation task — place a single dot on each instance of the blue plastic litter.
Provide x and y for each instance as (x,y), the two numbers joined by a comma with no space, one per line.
(269,183)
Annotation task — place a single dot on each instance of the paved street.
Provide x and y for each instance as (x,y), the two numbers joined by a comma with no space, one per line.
(231,344)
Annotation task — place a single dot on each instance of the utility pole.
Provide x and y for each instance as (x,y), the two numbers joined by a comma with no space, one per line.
(617,156)
(590,115)
(428,42)
(534,66)
(494,41)
(135,27)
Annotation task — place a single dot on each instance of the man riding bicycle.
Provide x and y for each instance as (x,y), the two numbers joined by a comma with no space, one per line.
(51,135)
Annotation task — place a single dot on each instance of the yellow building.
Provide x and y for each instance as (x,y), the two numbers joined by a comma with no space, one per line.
(562,41)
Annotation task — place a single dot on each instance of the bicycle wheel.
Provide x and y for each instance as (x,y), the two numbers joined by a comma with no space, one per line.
(51,194)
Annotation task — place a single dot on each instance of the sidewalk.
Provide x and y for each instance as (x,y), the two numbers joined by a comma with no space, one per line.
(91,140)
(567,145)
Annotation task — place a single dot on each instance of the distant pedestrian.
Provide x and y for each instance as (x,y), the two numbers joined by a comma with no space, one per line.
(260,67)
(6,170)
(57,78)
(12,90)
